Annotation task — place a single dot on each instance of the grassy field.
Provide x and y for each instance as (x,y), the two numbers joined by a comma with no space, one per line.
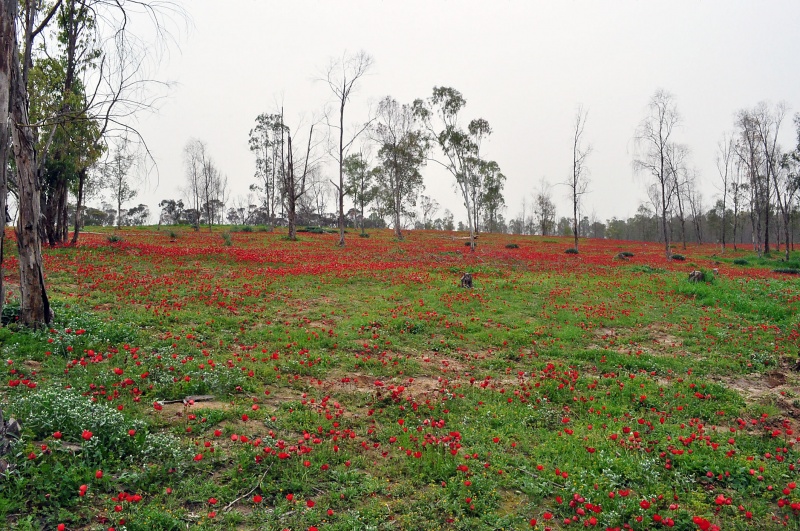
(236,380)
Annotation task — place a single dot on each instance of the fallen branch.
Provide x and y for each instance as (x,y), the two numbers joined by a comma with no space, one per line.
(198,398)
(248,493)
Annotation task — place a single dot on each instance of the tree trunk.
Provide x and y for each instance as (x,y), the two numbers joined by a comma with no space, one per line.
(664,226)
(575,219)
(34,304)
(341,173)
(79,205)
(7,55)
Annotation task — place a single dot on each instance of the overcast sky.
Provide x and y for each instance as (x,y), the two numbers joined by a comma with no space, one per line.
(522,65)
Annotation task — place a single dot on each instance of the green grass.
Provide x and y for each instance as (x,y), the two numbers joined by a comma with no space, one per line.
(378,376)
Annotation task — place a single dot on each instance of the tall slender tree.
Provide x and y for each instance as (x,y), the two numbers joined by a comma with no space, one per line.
(579,180)
(654,136)
(403,149)
(724,160)
(342,76)
(460,146)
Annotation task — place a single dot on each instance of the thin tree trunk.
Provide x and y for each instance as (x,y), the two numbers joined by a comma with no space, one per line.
(664,225)
(79,205)
(341,173)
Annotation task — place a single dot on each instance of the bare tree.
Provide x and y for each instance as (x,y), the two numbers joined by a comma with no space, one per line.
(194,161)
(725,154)
(579,180)
(294,178)
(749,150)
(676,164)
(342,76)
(695,202)
(653,138)
(737,189)
(544,209)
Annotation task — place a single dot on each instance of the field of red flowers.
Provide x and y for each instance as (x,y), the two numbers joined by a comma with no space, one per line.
(202,381)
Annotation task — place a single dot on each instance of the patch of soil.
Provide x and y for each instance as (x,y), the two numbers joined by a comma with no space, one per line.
(774,387)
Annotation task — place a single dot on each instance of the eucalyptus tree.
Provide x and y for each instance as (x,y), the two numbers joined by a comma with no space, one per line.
(265,143)
(490,200)
(460,146)
(403,149)
(342,75)
(653,139)
(117,176)
(96,48)
(360,182)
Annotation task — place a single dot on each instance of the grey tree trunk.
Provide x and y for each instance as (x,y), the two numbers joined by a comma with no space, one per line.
(34,304)
(79,205)
(7,51)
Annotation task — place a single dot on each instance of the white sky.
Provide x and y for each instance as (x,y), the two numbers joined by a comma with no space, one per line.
(522,65)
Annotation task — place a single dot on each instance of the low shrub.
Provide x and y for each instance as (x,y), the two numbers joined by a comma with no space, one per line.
(787,271)
(626,254)
(363,235)
(100,428)
(678,257)
(512,246)
(226,239)
(571,250)
(312,230)
(114,238)
(741,262)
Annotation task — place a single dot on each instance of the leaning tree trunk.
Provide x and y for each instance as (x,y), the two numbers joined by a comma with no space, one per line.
(34,304)
(7,49)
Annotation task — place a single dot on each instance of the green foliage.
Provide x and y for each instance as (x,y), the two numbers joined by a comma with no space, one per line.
(512,246)
(571,250)
(226,239)
(787,270)
(646,268)
(678,257)
(741,262)
(114,238)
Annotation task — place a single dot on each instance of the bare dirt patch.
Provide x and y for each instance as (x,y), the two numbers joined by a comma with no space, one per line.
(776,388)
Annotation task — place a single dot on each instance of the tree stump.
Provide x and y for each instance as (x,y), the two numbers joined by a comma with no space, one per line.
(697,276)
(466,280)
(8,430)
